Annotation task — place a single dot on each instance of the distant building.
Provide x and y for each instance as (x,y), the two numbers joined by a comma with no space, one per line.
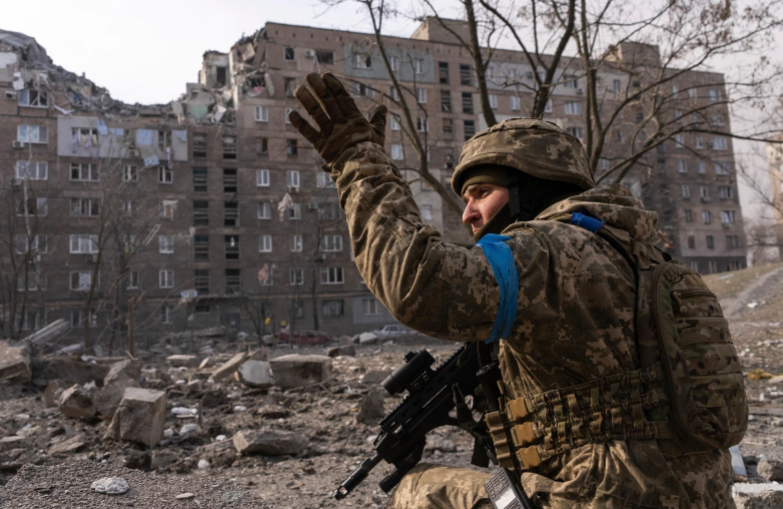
(775,168)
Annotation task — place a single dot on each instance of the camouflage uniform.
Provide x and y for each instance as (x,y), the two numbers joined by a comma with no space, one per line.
(575,322)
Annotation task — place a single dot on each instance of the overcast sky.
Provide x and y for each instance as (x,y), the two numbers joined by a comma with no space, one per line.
(145,51)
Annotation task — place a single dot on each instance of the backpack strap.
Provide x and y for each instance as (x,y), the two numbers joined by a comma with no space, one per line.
(502,262)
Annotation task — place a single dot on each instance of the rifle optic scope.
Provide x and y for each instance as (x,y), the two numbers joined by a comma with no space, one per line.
(415,364)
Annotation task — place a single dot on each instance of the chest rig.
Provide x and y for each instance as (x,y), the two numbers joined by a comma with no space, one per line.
(688,393)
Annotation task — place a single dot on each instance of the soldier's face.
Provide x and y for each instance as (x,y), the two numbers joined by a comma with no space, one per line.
(481,203)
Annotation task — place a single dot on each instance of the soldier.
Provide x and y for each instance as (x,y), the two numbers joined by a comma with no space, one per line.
(571,363)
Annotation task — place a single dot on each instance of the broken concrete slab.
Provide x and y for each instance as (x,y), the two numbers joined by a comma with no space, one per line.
(371,408)
(270,443)
(69,370)
(376,377)
(51,394)
(77,402)
(207,363)
(50,333)
(338,351)
(126,370)
(254,374)
(69,445)
(273,412)
(758,496)
(14,363)
(14,442)
(771,470)
(182,361)
(121,375)
(139,417)
(229,367)
(290,371)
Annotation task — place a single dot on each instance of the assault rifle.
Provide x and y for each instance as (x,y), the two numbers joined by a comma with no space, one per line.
(439,397)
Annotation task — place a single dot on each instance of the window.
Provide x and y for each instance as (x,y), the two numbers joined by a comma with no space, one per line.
(201,248)
(130,173)
(32,207)
(230,180)
(32,134)
(418,66)
(548,106)
(31,282)
(467,102)
(443,73)
(724,192)
(292,180)
(426,212)
(445,101)
(324,57)
(329,211)
(394,63)
(570,81)
(295,212)
(262,114)
(231,214)
(262,147)
(603,163)
(706,217)
(32,170)
(166,310)
(290,86)
(573,108)
(616,85)
(296,243)
(698,142)
(296,277)
(165,174)
(732,241)
(710,242)
(84,137)
(166,244)
(717,120)
(83,244)
(448,126)
(464,75)
(682,166)
(332,308)
(85,207)
(371,306)
(199,145)
(395,124)
(393,94)
(81,280)
(164,140)
(291,148)
(421,124)
(362,90)
(493,101)
(470,129)
(323,180)
(421,95)
(288,54)
(578,132)
(679,140)
(704,193)
(363,61)
(332,243)
(84,172)
(688,216)
(262,178)
(722,168)
(265,210)
(719,143)
(133,280)
(514,101)
(265,244)
(199,180)
(396,152)
(702,167)
(230,147)
(33,98)
(713,95)
(691,242)
(40,244)
(231,243)
(166,279)
(201,281)
(727,217)
(332,276)
(686,191)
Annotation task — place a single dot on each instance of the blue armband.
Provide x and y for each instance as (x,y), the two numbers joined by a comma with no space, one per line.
(502,262)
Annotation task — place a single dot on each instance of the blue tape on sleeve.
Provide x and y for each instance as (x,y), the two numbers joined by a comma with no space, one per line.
(502,262)
(587,222)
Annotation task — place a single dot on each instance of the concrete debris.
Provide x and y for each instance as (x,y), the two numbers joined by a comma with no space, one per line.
(771,470)
(240,408)
(14,364)
(758,496)
(229,367)
(51,394)
(140,417)
(110,486)
(184,496)
(339,351)
(371,408)
(161,459)
(294,370)
(185,361)
(68,370)
(69,445)
(254,374)
(376,377)
(269,443)
(77,402)
(737,462)
(203,464)
(121,375)
(13,442)
(273,412)
(367,338)
(207,363)
(50,333)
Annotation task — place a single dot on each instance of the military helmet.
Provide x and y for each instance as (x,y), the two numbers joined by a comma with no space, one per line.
(535,147)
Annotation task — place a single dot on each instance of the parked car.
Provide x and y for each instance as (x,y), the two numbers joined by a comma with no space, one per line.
(391,331)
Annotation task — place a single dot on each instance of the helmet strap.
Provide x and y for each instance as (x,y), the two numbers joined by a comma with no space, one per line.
(520,202)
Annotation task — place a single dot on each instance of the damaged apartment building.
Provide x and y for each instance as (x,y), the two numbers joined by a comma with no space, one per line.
(212,210)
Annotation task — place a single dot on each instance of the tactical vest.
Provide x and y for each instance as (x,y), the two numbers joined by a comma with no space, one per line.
(688,393)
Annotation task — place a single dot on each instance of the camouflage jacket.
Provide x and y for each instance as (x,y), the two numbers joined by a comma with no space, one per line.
(575,320)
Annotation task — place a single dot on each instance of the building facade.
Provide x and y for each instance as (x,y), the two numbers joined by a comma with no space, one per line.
(212,210)
(775,170)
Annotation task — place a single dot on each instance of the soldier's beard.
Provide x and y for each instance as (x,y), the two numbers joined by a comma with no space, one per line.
(496,223)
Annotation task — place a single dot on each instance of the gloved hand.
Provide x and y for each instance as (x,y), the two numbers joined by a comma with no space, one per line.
(341,124)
